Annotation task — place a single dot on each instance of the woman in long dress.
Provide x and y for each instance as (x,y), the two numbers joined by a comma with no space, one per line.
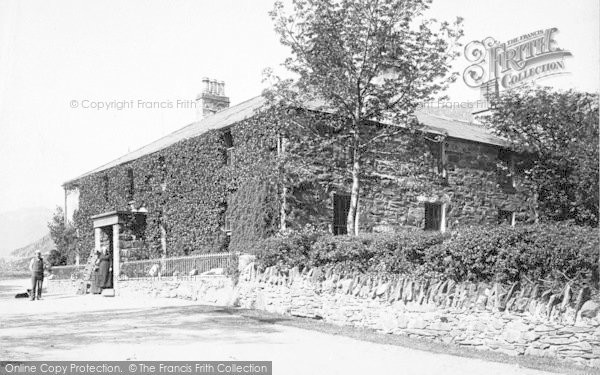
(106,274)
(96,279)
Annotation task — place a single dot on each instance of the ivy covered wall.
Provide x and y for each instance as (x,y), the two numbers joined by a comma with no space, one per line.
(399,176)
(198,189)
(191,189)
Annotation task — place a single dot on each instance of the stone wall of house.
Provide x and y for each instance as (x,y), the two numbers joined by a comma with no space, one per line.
(472,192)
(487,317)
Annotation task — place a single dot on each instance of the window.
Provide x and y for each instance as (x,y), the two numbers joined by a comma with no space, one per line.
(228,138)
(226,218)
(341,207)
(228,141)
(105,181)
(229,156)
(443,163)
(506,170)
(227,225)
(453,160)
(162,165)
(131,187)
(506,217)
(439,151)
(435,216)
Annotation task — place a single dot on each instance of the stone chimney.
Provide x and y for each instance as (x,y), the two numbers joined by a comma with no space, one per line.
(212,99)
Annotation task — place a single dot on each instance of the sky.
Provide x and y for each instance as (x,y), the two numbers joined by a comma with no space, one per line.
(60,60)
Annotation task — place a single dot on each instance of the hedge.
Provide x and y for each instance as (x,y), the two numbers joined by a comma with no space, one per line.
(550,253)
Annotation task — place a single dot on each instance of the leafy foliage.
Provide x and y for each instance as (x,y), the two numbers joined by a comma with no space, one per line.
(190,188)
(286,250)
(560,130)
(540,253)
(181,187)
(254,179)
(363,61)
(64,238)
(547,251)
(55,258)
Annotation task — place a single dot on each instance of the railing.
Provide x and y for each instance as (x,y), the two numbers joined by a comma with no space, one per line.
(67,272)
(182,266)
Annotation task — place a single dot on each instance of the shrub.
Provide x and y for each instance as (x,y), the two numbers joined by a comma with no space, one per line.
(286,250)
(383,252)
(403,252)
(553,253)
(345,252)
(549,252)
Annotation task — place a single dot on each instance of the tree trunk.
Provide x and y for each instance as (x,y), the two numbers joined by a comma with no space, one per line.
(281,143)
(351,224)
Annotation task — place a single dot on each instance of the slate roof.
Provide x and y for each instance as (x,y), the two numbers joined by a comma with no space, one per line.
(434,123)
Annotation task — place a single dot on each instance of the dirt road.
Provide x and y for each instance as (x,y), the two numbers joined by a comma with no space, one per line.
(103,328)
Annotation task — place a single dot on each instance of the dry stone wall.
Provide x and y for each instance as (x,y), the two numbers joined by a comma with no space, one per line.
(507,319)
(512,319)
(210,290)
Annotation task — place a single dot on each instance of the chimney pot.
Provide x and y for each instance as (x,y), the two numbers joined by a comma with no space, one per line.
(205,87)
(212,99)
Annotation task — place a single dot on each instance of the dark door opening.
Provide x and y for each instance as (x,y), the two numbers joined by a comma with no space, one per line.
(433,216)
(341,207)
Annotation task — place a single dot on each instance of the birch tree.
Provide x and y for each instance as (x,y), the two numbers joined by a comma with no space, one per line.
(366,62)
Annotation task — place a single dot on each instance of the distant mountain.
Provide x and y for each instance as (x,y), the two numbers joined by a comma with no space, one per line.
(44,244)
(22,227)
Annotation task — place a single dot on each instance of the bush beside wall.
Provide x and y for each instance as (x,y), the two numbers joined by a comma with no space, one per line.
(554,253)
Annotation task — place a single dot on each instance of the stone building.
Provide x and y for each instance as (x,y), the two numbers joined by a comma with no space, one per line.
(175,195)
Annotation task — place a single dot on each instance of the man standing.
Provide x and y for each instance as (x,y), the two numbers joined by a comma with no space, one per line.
(36,266)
